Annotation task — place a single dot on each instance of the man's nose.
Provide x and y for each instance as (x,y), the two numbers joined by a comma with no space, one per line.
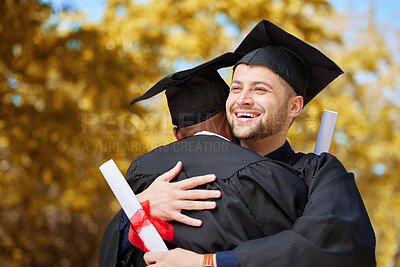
(245,98)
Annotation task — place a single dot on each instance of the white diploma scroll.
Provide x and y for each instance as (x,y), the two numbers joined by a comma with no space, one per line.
(130,204)
(325,131)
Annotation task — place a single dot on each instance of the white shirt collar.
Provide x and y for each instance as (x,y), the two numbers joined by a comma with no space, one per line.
(211,133)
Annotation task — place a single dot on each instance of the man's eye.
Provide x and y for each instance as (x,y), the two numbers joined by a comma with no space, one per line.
(260,89)
(235,88)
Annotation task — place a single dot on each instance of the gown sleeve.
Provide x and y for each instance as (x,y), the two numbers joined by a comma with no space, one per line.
(109,244)
(334,229)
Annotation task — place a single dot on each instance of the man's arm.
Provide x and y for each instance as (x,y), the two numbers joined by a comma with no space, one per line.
(179,257)
(175,257)
(334,229)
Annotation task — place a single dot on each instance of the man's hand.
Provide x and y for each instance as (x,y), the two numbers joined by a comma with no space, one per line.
(168,199)
(175,257)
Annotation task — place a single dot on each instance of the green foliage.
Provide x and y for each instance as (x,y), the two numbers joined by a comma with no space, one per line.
(64,110)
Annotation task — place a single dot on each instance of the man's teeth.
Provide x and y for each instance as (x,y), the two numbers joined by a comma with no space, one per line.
(246,115)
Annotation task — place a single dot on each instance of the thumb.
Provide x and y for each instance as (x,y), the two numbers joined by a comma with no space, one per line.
(172,173)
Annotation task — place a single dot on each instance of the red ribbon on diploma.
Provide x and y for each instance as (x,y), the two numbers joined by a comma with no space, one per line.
(142,218)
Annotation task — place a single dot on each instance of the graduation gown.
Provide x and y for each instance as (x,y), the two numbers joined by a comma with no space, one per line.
(334,229)
(259,197)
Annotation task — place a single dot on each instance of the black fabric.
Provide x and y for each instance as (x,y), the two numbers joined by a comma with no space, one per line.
(109,244)
(282,153)
(197,99)
(334,229)
(246,180)
(322,70)
(196,94)
(287,64)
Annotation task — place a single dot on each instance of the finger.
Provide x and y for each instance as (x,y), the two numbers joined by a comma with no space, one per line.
(150,257)
(169,175)
(200,194)
(196,205)
(179,217)
(196,181)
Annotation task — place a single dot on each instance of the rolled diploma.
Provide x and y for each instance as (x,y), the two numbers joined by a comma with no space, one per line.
(130,204)
(325,131)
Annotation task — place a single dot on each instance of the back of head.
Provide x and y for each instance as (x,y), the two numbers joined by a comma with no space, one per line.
(196,97)
(216,124)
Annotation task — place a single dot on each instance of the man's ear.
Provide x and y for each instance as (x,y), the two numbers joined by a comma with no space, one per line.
(177,133)
(296,105)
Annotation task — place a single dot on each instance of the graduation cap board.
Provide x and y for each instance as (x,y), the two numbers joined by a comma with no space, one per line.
(196,94)
(307,70)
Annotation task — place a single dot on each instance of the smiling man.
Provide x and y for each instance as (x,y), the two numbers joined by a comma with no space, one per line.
(258,107)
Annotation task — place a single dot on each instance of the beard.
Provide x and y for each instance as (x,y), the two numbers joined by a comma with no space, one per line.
(261,129)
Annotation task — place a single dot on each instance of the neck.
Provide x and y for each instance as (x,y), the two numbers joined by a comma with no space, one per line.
(266,145)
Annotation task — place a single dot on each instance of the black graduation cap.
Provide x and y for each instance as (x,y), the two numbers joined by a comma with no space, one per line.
(304,67)
(196,94)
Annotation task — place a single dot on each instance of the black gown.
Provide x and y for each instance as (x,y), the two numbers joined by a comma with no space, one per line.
(259,198)
(334,229)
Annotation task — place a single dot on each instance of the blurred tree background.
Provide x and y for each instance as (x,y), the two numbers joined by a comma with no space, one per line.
(66,83)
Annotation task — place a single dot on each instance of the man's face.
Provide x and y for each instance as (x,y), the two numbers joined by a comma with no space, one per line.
(257,105)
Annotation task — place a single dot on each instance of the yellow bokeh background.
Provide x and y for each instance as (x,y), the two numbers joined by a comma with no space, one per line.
(66,83)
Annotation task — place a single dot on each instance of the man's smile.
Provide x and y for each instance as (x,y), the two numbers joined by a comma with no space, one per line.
(244,116)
